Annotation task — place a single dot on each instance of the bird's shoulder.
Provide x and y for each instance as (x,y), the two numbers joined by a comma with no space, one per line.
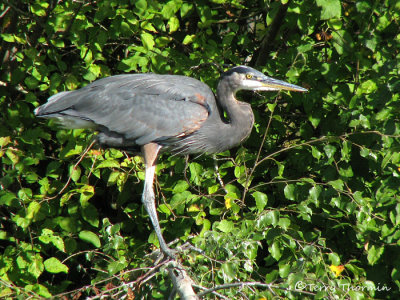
(170,87)
(144,107)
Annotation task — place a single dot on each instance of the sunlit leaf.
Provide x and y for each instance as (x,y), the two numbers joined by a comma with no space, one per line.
(90,237)
(53,265)
(261,200)
(225,226)
(147,40)
(330,9)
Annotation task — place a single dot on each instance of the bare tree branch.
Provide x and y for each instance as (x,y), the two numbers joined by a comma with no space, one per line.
(181,281)
(261,56)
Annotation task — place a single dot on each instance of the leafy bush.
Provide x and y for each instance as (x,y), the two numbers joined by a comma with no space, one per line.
(310,204)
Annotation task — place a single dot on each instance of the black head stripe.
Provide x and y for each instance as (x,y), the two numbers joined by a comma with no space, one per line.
(242,70)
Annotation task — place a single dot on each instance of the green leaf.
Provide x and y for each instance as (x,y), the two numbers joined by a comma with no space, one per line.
(71,82)
(275,250)
(316,153)
(86,192)
(330,150)
(181,186)
(232,192)
(367,87)
(240,171)
(4,141)
(32,210)
(22,222)
(284,270)
(68,224)
(206,227)
(109,163)
(115,267)
(272,276)
(141,5)
(383,114)
(12,155)
(346,171)
(271,106)
(289,191)
(39,9)
(338,41)
(31,82)
(66,197)
(25,195)
(53,265)
(74,172)
(7,37)
(334,258)
(363,6)
(337,184)
(179,200)
(188,39)
(374,254)
(195,172)
(314,192)
(186,8)
(170,8)
(284,223)
(309,251)
(225,226)
(261,200)
(39,289)
(113,178)
(270,218)
(9,199)
(213,189)
(330,9)
(90,214)
(173,24)
(36,266)
(90,237)
(354,295)
(147,40)
(228,272)
(48,237)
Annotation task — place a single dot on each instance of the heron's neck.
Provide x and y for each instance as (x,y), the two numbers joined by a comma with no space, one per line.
(240,114)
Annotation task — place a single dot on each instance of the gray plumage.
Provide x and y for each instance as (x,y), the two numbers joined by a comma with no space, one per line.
(126,109)
(163,112)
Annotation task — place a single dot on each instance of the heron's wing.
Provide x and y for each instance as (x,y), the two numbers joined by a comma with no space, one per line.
(135,109)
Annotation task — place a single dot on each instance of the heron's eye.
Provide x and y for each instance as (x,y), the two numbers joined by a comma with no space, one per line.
(249,76)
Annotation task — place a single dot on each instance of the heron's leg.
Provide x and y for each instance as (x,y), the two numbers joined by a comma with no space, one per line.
(150,152)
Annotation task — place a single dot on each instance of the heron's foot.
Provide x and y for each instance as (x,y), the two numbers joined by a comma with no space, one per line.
(160,254)
(171,253)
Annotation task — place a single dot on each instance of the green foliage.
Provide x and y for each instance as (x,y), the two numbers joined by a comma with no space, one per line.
(310,203)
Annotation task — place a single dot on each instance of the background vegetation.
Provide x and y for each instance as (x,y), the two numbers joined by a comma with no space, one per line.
(311,199)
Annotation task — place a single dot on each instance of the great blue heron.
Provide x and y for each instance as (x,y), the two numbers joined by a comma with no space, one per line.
(163,113)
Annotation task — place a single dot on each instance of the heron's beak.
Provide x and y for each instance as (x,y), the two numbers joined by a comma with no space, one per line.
(273,84)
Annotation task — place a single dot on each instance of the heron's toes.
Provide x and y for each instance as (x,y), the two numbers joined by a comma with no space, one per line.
(171,253)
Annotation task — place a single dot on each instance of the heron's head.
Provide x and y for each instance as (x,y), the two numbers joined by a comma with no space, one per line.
(246,78)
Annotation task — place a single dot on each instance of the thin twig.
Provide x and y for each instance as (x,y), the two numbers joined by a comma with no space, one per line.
(323,138)
(75,166)
(213,292)
(219,175)
(246,187)
(5,12)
